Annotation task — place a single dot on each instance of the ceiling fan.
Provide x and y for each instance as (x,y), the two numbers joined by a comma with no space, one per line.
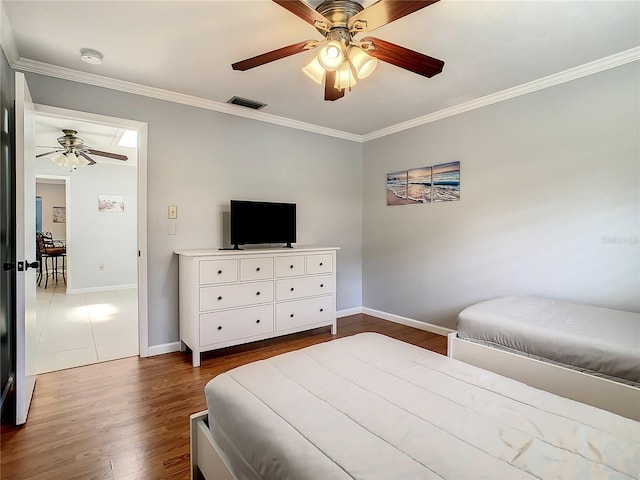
(73,153)
(341,59)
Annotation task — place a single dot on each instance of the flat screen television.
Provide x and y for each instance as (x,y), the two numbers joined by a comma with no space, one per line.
(262,223)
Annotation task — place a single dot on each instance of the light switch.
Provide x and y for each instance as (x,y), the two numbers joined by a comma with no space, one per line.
(171,227)
(173,212)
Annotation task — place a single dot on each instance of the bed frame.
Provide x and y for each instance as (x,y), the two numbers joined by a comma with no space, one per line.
(207,458)
(600,392)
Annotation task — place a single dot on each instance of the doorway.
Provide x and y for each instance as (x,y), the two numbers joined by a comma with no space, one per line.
(97,311)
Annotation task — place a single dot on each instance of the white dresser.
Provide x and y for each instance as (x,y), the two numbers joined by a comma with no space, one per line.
(229,297)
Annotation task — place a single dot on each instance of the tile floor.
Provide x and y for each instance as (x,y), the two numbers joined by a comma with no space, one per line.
(84,328)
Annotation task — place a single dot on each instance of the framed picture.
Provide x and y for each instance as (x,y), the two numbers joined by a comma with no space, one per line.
(397,188)
(59,215)
(446,182)
(419,185)
(110,203)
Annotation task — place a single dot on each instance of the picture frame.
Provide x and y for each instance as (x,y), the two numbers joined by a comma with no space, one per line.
(110,203)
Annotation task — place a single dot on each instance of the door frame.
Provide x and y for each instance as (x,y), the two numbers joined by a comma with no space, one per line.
(141,127)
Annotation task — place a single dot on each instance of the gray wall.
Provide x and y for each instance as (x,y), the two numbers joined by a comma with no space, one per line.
(549,204)
(98,238)
(200,159)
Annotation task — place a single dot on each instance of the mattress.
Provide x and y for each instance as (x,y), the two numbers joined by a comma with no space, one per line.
(596,340)
(371,407)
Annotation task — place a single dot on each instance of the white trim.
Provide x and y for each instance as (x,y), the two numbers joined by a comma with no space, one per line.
(107,288)
(161,349)
(612,61)
(42,68)
(348,311)
(410,322)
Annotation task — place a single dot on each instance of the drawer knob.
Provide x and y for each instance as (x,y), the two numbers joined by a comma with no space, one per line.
(292,289)
(219,272)
(320,263)
(257,293)
(258,321)
(290,266)
(321,285)
(258,269)
(219,298)
(219,327)
(291,315)
(322,309)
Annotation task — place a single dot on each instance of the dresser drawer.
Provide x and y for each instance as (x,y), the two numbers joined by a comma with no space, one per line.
(230,325)
(237,295)
(218,271)
(289,266)
(322,263)
(292,288)
(256,269)
(299,313)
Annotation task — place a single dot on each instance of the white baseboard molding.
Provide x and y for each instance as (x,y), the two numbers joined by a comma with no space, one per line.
(163,348)
(107,288)
(429,327)
(348,311)
(410,322)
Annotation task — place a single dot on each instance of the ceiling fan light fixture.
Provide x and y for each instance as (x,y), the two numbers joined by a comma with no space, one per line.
(344,77)
(314,71)
(59,159)
(363,63)
(71,161)
(330,56)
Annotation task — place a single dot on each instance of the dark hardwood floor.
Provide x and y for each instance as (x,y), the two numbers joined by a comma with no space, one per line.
(129,418)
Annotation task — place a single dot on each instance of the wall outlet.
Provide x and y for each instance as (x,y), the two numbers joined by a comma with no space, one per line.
(173,212)
(101,267)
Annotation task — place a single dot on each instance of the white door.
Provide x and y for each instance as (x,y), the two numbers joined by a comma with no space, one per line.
(26,328)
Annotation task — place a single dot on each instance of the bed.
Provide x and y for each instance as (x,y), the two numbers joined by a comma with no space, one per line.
(372,407)
(587,353)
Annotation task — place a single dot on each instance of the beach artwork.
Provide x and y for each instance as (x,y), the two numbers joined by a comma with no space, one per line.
(397,188)
(110,203)
(446,182)
(419,185)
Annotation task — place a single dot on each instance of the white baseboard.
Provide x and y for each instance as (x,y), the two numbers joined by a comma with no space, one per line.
(410,322)
(164,348)
(348,311)
(429,327)
(107,288)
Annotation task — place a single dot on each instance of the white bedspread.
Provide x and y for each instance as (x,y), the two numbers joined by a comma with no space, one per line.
(371,407)
(594,339)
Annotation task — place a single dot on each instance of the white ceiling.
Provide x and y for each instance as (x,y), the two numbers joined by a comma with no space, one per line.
(187,47)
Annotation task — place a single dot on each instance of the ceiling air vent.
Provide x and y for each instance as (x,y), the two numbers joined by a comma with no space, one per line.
(245,102)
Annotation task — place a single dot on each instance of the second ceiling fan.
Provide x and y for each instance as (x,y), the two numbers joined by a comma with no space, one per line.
(341,59)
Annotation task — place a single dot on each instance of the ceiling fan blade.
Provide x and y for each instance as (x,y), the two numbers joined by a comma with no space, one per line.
(305,12)
(48,153)
(275,55)
(87,157)
(115,156)
(385,11)
(331,93)
(404,58)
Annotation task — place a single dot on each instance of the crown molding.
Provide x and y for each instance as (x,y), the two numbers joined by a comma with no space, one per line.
(42,68)
(32,66)
(605,63)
